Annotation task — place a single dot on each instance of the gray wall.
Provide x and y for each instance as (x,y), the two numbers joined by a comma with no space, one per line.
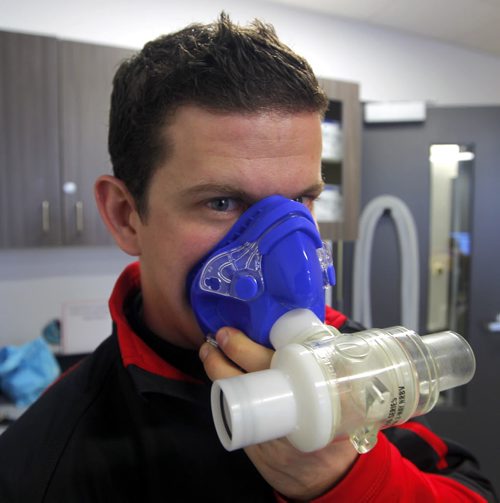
(395,161)
(39,281)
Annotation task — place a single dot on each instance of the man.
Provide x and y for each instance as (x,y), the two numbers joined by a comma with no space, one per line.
(204,123)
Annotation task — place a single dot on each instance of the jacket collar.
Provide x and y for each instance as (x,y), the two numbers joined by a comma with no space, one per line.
(134,351)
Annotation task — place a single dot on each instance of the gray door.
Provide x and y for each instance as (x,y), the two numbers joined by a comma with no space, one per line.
(396,161)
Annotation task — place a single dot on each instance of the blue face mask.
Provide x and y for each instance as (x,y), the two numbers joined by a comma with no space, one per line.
(271,261)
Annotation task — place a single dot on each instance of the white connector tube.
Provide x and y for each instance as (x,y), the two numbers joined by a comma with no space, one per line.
(242,414)
(291,400)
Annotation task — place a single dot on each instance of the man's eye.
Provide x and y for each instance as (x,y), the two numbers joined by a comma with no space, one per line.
(222,204)
(307,201)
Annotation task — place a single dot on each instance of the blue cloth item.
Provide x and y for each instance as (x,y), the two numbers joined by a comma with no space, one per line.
(27,370)
(52,332)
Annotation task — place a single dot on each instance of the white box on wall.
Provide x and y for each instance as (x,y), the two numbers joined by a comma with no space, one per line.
(394,111)
(84,325)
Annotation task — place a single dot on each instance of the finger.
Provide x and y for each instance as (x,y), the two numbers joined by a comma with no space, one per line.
(244,352)
(217,366)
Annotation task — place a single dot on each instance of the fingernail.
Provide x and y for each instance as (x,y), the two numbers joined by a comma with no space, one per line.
(221,337)
(204,350)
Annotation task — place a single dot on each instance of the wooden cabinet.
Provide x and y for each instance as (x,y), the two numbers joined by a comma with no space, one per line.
(85,79)
(342,170)
(29,154)
(54,102)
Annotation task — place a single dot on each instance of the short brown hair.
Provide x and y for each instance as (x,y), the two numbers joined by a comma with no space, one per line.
(219,66)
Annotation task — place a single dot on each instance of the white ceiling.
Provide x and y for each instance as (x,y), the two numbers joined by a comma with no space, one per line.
(474,24)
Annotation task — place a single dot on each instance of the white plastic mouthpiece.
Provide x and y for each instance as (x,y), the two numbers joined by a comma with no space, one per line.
(292,400)
(244,415)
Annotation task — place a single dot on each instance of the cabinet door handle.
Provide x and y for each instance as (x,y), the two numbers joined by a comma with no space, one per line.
(79,216)
(45,216)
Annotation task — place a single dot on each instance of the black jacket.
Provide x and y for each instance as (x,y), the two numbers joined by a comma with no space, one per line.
(125,425)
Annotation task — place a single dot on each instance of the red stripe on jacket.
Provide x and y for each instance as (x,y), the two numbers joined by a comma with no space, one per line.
(133,349)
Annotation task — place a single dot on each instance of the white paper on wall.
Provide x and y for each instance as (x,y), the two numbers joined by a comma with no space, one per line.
(332,141)
(328,207)
(85,324)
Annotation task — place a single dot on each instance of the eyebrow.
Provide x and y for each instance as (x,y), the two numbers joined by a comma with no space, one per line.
(213,188)
(224,189)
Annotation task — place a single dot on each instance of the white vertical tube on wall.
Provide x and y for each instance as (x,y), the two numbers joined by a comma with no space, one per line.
(408,246)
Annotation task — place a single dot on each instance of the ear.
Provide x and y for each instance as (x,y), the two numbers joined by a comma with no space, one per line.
(118,211)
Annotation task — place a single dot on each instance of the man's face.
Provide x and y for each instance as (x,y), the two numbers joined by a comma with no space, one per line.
(220,165)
